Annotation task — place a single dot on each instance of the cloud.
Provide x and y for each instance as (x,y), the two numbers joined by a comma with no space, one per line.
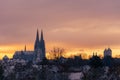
(76,22)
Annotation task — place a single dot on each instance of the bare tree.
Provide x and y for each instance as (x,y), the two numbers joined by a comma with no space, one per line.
(57,52)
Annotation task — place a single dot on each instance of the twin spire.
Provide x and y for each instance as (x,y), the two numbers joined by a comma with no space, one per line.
(37,35)
(39,41)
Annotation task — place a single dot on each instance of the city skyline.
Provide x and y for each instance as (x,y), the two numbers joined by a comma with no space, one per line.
(78,26)
(67,54)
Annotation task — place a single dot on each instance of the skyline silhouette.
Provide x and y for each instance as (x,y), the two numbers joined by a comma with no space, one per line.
(78,26)
(39,45)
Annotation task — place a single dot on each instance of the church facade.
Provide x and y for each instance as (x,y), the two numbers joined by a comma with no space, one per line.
(38,54)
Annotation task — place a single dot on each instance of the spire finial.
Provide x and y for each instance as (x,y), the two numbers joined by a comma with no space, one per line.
(37,35)
(41,34)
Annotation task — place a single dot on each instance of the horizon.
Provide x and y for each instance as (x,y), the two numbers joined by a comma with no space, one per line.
(79,26)
(69,53)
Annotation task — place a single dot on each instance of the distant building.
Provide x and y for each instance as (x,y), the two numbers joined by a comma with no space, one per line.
(39,50)
(108,60)
(5,58)
(108,52)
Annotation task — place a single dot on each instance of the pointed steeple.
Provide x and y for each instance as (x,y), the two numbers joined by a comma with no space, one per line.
(37,41)
(41,35)
(37,35)
(42,46)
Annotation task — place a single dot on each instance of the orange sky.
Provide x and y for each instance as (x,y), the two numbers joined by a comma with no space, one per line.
(69,51)
(76,25)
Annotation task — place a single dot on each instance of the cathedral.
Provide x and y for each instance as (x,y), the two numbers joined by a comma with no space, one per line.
(39,50)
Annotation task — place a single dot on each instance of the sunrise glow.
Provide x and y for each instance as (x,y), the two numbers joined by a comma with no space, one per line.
(79,26)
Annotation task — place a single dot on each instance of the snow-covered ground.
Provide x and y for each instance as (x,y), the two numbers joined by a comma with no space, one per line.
(75,76)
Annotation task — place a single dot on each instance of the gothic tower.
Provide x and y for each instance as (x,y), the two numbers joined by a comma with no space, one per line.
(39,46)
(36,46)
(42,45)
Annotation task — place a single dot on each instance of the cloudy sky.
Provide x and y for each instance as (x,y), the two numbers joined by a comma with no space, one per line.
(72,24)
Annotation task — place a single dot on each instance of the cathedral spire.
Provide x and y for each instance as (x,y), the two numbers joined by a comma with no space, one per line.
(42,46)
(37,35)
(37,41)
(41,35)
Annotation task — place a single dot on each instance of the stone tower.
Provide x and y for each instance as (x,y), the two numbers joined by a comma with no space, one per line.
(39,46)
